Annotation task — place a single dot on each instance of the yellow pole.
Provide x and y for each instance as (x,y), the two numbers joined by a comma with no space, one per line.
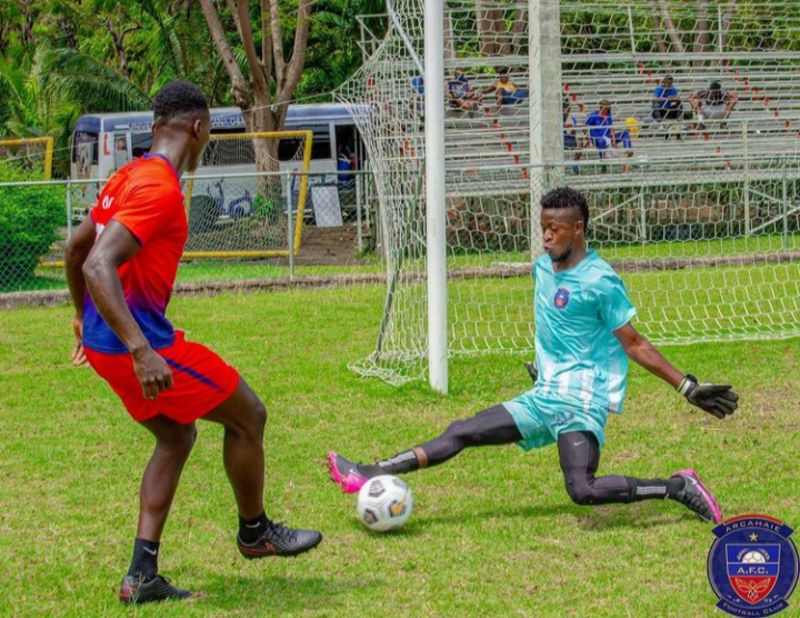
(301,198)
(48,158)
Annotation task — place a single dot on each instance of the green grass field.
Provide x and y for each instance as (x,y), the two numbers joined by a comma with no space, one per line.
(493,532)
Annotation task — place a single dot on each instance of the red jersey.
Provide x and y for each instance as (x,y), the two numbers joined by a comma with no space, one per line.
(145,196)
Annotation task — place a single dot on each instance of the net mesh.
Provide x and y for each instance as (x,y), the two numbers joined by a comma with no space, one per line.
(234,211)
(693,194)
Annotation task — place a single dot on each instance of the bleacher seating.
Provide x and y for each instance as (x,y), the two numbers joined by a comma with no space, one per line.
(764,124)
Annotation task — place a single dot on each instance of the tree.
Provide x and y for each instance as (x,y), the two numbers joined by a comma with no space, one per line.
(263,87)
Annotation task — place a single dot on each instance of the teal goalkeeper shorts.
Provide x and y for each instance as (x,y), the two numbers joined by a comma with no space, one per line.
(541,419)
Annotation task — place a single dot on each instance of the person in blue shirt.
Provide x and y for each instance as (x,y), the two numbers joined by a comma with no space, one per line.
(602,133)
(666,100)
(584,337)
(601,128)
(461,95)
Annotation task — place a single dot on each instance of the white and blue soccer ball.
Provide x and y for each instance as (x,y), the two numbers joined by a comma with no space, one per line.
(384,503)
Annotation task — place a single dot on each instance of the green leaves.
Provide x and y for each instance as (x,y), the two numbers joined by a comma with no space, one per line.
(91,84)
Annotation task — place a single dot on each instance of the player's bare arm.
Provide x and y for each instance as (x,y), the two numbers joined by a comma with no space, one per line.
(716,399)
(75,253)
(115,246)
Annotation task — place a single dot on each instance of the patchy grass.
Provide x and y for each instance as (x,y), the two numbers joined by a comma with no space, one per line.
(493,532)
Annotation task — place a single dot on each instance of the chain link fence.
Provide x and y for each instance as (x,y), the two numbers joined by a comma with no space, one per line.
(241,227)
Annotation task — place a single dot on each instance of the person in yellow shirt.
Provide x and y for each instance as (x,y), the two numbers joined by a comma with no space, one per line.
(505,90)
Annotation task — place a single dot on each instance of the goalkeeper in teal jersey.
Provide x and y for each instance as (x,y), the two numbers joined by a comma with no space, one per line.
(583,340)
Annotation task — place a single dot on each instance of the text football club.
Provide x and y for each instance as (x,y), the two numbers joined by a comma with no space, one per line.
(753,565)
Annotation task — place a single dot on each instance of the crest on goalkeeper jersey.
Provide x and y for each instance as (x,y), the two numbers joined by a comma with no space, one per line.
(561,299)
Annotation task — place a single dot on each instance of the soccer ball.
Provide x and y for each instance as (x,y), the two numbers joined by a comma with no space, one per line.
(754,557)
(384,503)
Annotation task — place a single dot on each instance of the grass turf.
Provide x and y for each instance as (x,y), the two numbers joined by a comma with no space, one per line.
(493,532)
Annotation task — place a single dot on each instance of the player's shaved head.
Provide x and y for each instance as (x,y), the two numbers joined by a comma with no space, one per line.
(181,124)
(569,200)
(178,98)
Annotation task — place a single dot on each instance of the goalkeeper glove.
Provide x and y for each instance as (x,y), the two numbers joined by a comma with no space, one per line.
(716,399)
(532,371)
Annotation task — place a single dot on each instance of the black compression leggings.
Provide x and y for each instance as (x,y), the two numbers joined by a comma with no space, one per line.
(489,427)
(578,453)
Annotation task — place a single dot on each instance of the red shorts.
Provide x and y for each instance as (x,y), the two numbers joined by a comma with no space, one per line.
(201,381)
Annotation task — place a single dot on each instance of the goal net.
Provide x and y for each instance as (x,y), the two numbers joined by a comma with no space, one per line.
(239,200)
(30,157)
(695,202)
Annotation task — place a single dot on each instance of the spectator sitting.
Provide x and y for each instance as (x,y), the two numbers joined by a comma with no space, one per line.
(345,162)
(628,134)
(461,94)
(713,104)
(631,131)
(601,129)
(666,102)
(602,133)
(506,91)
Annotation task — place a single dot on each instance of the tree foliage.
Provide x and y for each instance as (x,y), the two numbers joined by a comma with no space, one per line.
(62,58)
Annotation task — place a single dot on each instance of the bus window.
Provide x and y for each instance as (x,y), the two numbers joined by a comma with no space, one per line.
(288,147)
(84,152)
(141,143)
(121,154)
(320,145)
(321,142)
(346,141)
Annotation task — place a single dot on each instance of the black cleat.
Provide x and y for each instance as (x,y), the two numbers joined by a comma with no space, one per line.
(134,590)
(697,497)
(278,540)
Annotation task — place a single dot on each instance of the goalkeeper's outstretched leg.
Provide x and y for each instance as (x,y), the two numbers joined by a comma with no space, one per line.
(492,426)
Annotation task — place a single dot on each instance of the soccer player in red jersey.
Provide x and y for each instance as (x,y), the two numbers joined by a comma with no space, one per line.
(121,265)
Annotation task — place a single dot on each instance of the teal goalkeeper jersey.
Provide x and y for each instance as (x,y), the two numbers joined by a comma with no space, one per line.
(581,363)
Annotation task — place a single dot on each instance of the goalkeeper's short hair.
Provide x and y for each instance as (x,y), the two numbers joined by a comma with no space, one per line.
(565,197)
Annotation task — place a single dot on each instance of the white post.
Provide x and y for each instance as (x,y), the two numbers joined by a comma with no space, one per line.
(746,150)
(545,120)
(535,111)
(631,31)
(435,195)
(359,231)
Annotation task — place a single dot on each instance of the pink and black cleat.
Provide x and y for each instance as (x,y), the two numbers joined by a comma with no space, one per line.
(345,473)
(696,496)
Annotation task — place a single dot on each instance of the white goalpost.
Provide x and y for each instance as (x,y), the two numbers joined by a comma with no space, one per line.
(436,239)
